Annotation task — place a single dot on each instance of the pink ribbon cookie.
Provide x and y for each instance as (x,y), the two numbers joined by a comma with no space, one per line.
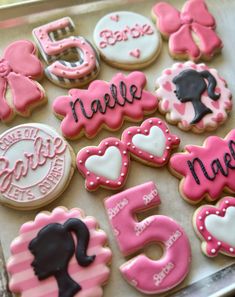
(191,32)
(213,225)
(104,104)
(19,67)
(59,254)
(205,171)
(193,96)
(106,165)
(152,142)
(146,275)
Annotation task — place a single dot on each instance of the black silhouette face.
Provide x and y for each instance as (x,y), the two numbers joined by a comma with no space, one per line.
(189,85)
(52,248)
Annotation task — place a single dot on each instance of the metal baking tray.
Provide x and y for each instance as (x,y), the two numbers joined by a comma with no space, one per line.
(208,277)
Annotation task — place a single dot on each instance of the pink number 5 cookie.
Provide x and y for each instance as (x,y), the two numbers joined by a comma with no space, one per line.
(193,96)
(59,254)
(191,32)
(19,92)
(213,225)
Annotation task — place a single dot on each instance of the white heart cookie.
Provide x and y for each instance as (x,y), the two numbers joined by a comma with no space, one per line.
(109,165)
(221,227)
(154,143)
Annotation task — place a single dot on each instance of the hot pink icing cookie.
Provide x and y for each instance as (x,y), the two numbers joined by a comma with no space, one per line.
(146,275)
(54,41)
(191,32)
(123,40)
(36,165)
(59,254)
(193,96)
(106,165)
(150,143)
(19,67)
(104,104)
(213,225)
(205,171)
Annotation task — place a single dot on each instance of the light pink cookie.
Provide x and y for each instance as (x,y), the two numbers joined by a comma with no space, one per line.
(214,225)
(147,275)
(191,32)
(151,143)
(193,96)
(19,68)
(206,171)
(59,254)
(104,104)
(104,166)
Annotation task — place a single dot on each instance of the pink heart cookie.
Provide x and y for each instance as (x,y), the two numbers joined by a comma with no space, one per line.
(213,225)
(151,142)
(106,165)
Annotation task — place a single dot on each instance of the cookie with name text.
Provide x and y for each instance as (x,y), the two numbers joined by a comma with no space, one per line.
(193,96)
(127,40)
(104,104)
(59,254)
(206,171)
(36,165)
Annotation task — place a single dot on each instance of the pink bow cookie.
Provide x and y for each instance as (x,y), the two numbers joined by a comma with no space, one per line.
(18,68)
(191,32)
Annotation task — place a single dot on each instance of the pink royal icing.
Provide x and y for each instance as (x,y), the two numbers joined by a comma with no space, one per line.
(213,225)
(19,67)
(148,276)
(206,170)
(182,112)
(23,279)
(151,142)
(104,103)
(180,27)
(106,165)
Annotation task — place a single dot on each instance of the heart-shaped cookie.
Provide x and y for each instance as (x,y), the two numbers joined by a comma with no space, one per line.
(106,165)
(151,142)
(213,224)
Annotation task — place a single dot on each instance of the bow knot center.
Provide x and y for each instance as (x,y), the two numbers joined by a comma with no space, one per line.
(5,68)
(186,19)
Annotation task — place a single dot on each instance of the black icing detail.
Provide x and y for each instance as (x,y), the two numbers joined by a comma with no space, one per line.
(215,167)
(54,247)
(190,85)
(110,101)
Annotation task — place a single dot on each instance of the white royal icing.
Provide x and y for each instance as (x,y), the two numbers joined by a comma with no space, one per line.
(109,165)
(222,228)
(138,49)
(154,143)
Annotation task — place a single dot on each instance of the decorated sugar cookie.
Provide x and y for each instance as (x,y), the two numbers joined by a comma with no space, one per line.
(214,225)
(150,143)
(36,165)
(104,104)
(191,32)
(193,96)
(206,171)
(59,254)
(59,49)
(19,92)
(104,166)
(127,40)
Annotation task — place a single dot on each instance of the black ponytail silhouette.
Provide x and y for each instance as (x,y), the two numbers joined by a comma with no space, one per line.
(53,248)
(190,86)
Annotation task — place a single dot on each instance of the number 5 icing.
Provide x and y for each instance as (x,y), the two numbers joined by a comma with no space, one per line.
(146,275)
(64,73)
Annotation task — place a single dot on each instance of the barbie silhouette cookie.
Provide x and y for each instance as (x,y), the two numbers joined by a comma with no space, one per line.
(191,32)
(36,165)
(127,40)
(19,92)
(213,225)
(64,256)
(193,96)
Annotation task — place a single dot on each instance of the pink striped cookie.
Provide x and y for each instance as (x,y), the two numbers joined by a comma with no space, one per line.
(59,254)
